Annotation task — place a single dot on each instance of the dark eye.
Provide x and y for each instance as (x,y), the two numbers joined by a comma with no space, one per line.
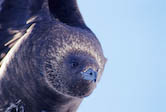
(74,64)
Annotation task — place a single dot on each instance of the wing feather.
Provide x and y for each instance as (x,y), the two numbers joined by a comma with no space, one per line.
(14,15)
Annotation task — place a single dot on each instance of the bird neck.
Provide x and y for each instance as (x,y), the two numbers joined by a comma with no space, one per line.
(31,95)
(47,100)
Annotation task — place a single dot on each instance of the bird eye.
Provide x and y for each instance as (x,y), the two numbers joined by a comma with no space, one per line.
(74,64)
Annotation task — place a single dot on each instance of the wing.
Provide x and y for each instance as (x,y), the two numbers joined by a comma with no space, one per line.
(14,15)
(13,20)
(67,12)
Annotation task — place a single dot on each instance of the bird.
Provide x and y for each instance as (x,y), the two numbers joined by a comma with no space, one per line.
(50,59)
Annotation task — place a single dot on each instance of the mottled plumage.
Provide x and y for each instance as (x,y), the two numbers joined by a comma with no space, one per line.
(51,59)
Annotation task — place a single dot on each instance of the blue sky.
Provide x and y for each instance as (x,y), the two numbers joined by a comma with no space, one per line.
(133,36)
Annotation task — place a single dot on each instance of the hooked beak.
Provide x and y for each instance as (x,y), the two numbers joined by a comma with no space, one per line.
(89,75)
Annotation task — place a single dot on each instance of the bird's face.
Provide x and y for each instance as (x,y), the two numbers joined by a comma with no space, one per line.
(75,75)
(73,64)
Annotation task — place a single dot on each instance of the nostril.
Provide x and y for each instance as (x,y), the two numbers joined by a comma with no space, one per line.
(91,73)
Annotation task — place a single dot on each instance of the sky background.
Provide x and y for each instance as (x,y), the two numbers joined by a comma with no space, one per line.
(133,37)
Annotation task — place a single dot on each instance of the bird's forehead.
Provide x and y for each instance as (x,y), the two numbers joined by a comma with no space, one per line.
(76,41)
